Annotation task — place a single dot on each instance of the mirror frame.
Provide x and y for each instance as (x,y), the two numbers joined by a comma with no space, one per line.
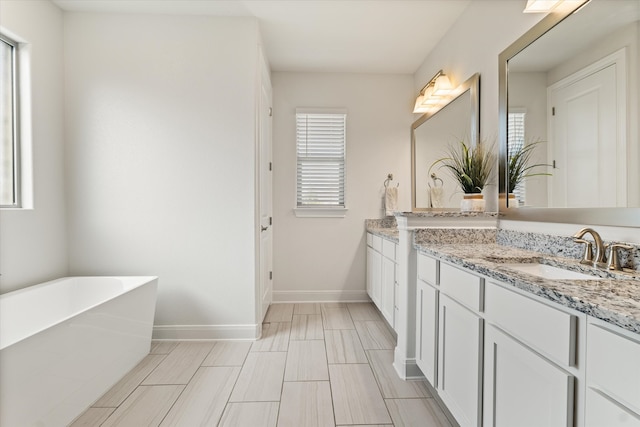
(472,84)
(625,217)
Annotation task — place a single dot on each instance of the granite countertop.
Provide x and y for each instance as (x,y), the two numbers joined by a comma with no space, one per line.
(447,213)
(614,298)
(386,233)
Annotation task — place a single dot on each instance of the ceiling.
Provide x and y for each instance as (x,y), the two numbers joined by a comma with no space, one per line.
(356,36)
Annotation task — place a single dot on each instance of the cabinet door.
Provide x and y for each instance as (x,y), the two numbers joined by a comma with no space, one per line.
(387,293)
(427,331)
(604,411)
(460,361)
(522,388)
(374,275)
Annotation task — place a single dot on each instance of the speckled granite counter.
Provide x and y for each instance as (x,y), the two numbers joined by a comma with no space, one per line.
(447,213)
(615,298)
(387,228)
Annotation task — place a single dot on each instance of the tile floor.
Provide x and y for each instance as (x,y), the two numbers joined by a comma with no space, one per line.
(316,365)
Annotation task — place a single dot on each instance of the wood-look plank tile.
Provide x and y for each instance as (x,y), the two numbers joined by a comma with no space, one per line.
(365,425)
(180,365)
(261,378)
(203,400)
(250,414)
(162,347)
(336,318)
(416,412)
(390,383)
(361,311)
(228,353)
(92,417)
(279,313)
(375,335)
(306,361)
(306,327)
(307,308)
(123,388)
(356,398)
(306,404)
(146,406)
(343,346)
(275,337)
(333,305)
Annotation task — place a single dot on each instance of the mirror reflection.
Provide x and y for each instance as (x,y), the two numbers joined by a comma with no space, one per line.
(576,90)
(432,134)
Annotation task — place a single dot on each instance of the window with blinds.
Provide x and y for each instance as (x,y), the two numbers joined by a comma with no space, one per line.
(321,150)
(515,138)
(9,166)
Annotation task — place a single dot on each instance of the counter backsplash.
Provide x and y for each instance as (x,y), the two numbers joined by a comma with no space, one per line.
(563,246)
(454,235)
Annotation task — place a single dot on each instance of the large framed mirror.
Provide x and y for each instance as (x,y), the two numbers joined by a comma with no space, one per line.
(456,119)
(572,83)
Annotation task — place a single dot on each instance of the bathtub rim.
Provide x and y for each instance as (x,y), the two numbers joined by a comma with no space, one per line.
(143,280)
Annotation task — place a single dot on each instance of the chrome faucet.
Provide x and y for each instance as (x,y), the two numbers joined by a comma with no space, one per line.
(600,260)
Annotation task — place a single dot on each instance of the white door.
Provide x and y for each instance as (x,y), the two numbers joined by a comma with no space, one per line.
(388,287)
(522,388)
(587,139)
(266,190)
(427,331)
(460,361)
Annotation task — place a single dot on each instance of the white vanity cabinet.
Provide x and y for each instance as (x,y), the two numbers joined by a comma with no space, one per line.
(613,376)
(382,275)
(427,317)
(530,348)
(460,342)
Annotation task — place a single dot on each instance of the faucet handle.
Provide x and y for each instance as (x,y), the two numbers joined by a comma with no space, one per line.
(614,262)
(587,257)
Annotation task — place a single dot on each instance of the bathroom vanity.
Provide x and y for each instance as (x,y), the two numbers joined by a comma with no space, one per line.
(506,335)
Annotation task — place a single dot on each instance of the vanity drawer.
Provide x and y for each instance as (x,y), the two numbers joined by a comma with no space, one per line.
(427,269)
(544,328)
(369,239)
(612,365)
(389,249)
(464,287)
(376,243)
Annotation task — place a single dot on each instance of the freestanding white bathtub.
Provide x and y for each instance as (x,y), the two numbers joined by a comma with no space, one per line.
(65,342)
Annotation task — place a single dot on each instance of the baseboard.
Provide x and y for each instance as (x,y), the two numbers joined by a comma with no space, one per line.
(321,296)
(206,332)
(407,369)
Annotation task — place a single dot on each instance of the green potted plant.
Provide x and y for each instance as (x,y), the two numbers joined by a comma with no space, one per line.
(519,168)
(471,167)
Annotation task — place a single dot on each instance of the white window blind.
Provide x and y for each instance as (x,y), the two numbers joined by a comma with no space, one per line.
(9,150)
(515,138)
(321,149)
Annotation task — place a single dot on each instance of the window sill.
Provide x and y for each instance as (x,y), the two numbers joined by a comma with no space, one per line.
(320,212)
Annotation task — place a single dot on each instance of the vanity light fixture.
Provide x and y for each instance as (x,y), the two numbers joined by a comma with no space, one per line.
(433,93)
(540,6)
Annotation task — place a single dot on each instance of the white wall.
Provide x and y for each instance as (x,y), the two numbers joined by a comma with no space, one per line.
(33,241)
(160,122)
(324,258)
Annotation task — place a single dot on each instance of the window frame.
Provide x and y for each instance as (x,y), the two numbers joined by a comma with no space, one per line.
(16,120)
(329,210)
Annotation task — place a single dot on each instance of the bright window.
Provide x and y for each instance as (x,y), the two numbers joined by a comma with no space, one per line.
(9,153)
(321,150)
(515,136)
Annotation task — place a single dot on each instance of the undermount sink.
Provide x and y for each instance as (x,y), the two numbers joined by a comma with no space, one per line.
(550,272)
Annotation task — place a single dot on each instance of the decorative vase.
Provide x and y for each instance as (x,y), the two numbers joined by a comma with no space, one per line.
(472,203)
(513,202)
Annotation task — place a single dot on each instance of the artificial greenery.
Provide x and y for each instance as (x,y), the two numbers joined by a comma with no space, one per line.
(519,167)
(470,166)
